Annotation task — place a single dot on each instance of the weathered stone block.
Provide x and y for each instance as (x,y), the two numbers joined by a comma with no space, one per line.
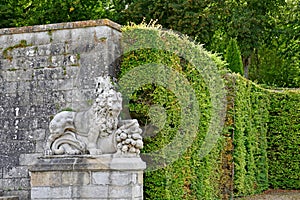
(100,178)
(9,198)
(39,147)
(15,147)
(140,178)
(5,41)
(24,87)
(80,48)
(57,61)
(84,34)
(120,178)
(16,172)
(42,62)
(38,74)
(37,99)
(46,179)
(71,72)
(120,191)
(102,34)
(75,178)
(28,159)
(15,183)
(91,192)
(53,73)
(57,49)
(17,38)
(21,123)
(39,134)
(61,36)
(23,184)
(30,51)
(65,84)
(5,64)
(10,87)
(41,38)
(22,194)
(137,191)
(51,192)
(44,50)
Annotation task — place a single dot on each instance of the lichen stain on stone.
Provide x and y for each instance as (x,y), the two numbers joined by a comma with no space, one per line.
(21,44)
(98,40)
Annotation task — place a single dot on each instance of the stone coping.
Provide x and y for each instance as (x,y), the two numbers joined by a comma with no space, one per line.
(60,26)
(9,198)
(101,162)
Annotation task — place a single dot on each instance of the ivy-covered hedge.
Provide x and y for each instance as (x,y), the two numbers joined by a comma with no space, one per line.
(284,139)
(237,165)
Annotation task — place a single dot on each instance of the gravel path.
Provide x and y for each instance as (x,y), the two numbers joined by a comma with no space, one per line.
(275,195)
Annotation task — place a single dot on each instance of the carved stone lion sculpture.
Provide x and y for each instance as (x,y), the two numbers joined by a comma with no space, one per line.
(96,130)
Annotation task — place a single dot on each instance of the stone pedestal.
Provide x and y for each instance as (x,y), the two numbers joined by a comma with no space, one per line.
(87,177)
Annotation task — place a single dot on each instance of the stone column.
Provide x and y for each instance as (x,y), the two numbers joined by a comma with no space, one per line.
(87,177)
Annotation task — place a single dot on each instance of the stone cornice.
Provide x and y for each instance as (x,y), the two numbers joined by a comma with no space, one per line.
(60,26)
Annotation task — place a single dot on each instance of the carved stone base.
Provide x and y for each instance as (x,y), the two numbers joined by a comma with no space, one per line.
(87,177)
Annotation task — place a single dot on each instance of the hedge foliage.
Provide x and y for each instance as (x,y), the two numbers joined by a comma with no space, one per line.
(284,139)
(250,117)
(243,161)
(190,176)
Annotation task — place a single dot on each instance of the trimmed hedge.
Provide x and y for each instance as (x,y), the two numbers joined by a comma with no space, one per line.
(242,162)
(250,117)
(190,176)
(284,140)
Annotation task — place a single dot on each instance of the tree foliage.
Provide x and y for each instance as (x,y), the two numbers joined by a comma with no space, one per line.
(256,25)
(6,14)
(233,57)
(261,28)
(33,12)
(198,19)
(277,62)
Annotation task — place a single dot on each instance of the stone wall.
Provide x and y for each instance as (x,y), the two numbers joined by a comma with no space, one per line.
(43,70)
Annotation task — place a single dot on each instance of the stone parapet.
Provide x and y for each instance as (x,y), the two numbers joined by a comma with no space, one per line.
(59,26)
(87,177)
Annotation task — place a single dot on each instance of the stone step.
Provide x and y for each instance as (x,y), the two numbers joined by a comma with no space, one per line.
(9,198)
